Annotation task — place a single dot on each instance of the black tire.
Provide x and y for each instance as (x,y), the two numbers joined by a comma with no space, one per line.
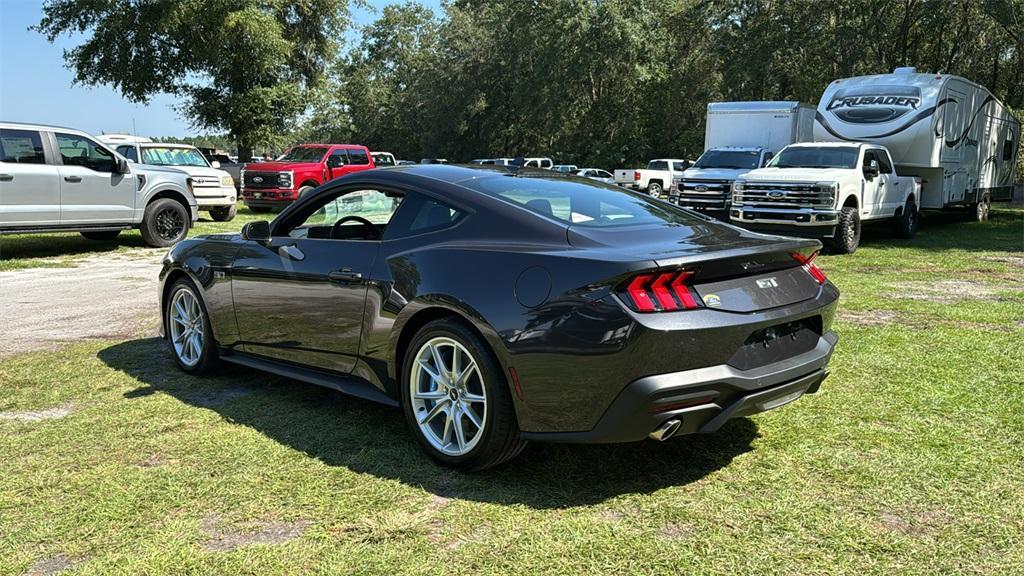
(208,358)
(224,213)
(500,441)
(165,223)
(259,209)
(105,235)
(905,225)
(847,236)
(303,191)
(654,189)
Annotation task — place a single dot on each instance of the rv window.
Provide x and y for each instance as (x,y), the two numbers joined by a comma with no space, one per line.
(1008,147)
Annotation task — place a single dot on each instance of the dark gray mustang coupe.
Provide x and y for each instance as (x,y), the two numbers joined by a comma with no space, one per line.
(497,306)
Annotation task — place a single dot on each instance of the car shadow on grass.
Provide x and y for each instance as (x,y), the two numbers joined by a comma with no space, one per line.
(939,231)
(58,245)
(372,439)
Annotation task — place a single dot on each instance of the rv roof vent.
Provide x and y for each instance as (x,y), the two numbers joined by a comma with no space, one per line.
(905,70)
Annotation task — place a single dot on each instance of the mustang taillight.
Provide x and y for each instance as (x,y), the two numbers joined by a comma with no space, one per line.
(807,262)
(660,292)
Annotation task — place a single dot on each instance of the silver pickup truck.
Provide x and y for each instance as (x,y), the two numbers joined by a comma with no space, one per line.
(56,179)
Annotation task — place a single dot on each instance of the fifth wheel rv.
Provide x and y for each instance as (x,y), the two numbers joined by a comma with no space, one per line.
(948,131)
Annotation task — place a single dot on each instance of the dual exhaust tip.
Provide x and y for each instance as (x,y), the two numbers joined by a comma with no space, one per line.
(666,430)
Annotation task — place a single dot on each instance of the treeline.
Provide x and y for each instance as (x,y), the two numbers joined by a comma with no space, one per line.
(615,82)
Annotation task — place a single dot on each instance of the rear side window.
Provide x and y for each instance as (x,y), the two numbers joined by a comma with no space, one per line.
(358,157)
(81,151)
(1008,147)
(21,147)
(657,165)
(581,202)
(421,214)
(128,152)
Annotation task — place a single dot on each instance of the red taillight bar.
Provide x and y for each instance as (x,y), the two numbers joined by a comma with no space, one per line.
(636,175)
(661,292)
(807,262)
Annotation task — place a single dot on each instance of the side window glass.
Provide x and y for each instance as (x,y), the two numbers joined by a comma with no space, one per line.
(375,206)
(1008,147)
(128,152)
(337,159)
(884,165)
(21,147)
(81,151)
(545,163)
(869,155)
(433,215)
(358,157)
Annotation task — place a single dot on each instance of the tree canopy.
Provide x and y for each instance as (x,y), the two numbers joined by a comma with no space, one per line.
(243,66)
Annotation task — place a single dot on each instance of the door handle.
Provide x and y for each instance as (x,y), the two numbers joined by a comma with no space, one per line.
(72,178)
(291,251)
(344,275)
(6,177)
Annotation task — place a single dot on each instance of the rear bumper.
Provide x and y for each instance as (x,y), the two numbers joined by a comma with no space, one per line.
(703,399)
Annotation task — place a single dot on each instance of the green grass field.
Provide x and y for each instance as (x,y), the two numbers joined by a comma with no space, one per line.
(910,460)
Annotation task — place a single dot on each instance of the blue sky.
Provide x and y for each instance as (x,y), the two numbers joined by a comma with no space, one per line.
(36,87)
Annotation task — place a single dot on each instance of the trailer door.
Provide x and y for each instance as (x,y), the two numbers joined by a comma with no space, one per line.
(954,116)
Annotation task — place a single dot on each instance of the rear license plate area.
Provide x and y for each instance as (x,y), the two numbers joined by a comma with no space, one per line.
(778,342)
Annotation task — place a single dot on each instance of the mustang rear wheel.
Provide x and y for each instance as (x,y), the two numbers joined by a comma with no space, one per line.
(456,400)
(188,329)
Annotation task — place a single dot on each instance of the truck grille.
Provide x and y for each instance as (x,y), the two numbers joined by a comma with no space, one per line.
(709,187)
(261,180)
(784,195)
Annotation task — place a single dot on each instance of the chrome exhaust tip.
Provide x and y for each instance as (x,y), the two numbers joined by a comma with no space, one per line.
(666,430)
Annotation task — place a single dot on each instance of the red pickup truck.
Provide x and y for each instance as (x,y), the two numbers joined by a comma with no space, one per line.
(267,185)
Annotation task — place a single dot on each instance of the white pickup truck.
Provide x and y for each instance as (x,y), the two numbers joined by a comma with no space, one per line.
(655,179)
(825,190)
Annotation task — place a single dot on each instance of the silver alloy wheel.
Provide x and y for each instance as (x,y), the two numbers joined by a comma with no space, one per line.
(187,327)
(449,400)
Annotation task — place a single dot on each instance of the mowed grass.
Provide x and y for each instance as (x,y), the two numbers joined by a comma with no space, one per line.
(19,251)
(910,460)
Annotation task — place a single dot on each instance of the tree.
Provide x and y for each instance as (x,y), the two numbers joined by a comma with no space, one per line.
(243,66)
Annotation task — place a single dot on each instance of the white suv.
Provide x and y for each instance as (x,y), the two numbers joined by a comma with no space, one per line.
(62,180)
(214,188)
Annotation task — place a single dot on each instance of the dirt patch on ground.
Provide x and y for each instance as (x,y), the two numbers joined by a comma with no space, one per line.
(36,415)
(270,532)
(50,566)
(104,296)
(676,531)
(945,291)
(915,322)
(918,524)
(869,317)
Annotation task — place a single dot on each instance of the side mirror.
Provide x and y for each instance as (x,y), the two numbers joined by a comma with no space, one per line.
(257,231)
(122,166)
(872,170)
(215,164)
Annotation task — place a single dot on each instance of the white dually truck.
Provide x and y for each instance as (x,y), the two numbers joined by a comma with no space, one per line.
(738,137)
(955,142)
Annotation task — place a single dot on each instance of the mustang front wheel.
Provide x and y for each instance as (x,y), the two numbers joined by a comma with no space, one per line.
(456,401)
(188,329)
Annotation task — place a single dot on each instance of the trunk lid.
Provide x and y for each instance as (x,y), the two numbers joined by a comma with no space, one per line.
(733,269)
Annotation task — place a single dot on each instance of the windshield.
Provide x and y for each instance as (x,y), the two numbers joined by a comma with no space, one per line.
(304,154)
(581,202)
(812,157)
(736,159)
(167,156)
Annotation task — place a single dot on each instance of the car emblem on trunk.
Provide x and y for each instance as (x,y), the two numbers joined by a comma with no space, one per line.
(768,283)
(257,179)
(776,194)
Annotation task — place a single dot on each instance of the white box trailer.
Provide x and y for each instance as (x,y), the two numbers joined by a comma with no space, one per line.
(947,130)
(768,125)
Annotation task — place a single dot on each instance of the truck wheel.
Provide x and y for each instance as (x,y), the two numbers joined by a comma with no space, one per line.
(224,213)
(165,223)
(654,189)
(905,225)
(847,236)
(105,235)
